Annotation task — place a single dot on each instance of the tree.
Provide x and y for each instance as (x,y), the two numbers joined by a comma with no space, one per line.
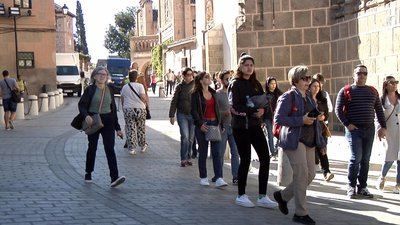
(117,37)
(81,44)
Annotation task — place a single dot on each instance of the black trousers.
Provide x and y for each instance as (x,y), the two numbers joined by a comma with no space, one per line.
(108,135)
(244,138)
(323,159)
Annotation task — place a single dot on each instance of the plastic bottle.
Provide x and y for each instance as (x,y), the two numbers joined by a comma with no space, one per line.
(249,102)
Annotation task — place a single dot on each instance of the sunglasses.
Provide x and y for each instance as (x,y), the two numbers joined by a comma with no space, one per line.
(393,82)
(305,78)
(362,73)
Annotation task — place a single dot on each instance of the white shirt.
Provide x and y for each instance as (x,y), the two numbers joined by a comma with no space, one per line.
(131,100)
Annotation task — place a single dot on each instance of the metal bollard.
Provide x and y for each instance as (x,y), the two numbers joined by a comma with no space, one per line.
(20,114)
(57,98)
(1,112)
(52,101)
(44,102)
(285,172)
(61,96)
(33,103)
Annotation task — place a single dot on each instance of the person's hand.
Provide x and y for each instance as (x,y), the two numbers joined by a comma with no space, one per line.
(172,120)
(351,127)
(308,120)
(204,128)
(381,133)
(89,120)
(321,117)
(259,113)
(120,134)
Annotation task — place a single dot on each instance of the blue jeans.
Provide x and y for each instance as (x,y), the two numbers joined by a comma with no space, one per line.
(270,138)
(186,129)
(360,141)
(386,168)
(227,136)
(203,151)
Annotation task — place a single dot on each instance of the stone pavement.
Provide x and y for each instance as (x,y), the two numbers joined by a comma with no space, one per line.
(41,182)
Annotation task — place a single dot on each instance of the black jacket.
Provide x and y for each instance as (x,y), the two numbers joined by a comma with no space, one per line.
(86,99)
(238,90)
(181,100)
(199,107)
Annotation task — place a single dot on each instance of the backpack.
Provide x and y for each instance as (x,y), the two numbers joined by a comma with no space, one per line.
(347,96)
(276,129)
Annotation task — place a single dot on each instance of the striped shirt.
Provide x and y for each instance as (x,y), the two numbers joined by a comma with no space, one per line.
(364,102)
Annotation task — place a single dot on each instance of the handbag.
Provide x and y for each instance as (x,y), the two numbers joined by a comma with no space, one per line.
(325,131)
(15,94)
(97,124)
(148,115)
(213,132)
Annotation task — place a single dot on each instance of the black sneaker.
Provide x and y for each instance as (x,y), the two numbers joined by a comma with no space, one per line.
(351,192)
(364,193)
(213,179)
(282,203)
(118,181)
(303,219)
(235,181)
(88,178)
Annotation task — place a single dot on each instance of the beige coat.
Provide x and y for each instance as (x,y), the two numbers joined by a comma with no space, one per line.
(393,131)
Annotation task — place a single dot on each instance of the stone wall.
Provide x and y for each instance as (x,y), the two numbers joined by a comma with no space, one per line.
(214,50)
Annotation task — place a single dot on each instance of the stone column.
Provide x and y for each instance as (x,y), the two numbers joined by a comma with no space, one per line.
(285,173)
(161,90)
(33,104)
(52,101)
(20,114)
(1,112)
(44,102)
(61,96)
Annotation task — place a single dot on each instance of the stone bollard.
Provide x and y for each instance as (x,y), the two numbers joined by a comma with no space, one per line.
(44,102)
(33,105)
(61,96)
(20,114)
(57,98)
(285,172)
(161,90)
(1,112)
(52,101)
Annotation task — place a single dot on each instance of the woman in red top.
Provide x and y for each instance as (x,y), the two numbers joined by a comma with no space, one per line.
(153,82)
(205,113)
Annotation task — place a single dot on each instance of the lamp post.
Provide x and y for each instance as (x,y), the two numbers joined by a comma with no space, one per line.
(14,12)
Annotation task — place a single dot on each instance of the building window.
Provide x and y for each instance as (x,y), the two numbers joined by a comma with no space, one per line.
(192,1)
(194,26)
(26,60)
(25,4)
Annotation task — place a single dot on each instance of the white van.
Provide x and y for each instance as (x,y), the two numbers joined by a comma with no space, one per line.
(68,77)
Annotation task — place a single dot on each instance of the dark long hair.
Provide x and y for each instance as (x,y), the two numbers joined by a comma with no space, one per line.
(384,91)
(198,87)
(253,77)
(320,95)
(277,92)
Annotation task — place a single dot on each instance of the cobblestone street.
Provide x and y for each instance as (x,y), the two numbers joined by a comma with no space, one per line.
(41,181)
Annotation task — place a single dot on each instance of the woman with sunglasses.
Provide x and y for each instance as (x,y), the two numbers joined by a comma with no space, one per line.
(298,137)
(205,113)
(390,102)
(246,125)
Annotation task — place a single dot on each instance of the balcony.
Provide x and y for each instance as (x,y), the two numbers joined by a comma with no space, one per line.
(143,43)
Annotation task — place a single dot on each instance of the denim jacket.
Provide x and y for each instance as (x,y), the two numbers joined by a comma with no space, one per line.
(289,114)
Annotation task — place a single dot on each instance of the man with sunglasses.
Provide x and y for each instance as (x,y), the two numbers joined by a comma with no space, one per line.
(356,106)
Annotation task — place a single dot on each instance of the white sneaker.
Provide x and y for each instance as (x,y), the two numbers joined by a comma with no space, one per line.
(266,202)
(133,152)
(220,183)
(204,182)
(244,201)
(144,148)
(396,189)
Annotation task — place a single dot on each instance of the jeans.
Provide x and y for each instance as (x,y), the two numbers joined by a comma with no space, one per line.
(108,135)
(244,139)
(227,136)
(270,137)
(186,129)
(203,151)
(386,168)
(360,142)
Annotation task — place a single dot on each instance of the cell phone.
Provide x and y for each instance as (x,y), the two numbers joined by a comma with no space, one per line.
(314,113)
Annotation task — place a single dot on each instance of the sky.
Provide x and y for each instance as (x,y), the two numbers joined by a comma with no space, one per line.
(97,15)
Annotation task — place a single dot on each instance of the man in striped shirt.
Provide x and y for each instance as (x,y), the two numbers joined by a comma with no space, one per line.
(356,106)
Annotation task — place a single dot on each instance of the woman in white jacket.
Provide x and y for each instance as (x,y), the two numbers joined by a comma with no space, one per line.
(390,101)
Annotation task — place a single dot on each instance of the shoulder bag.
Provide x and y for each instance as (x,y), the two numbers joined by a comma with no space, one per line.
(15,94)
(97,124)
(148,115)
(213,132)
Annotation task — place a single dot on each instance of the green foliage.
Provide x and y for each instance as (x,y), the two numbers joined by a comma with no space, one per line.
(80,37)
(156,60)
(117,37)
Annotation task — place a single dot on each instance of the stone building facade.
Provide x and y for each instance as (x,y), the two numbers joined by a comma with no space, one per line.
(35,29)
(64,31)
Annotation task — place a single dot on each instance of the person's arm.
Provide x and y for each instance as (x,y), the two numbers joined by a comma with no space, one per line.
(340,103)
(239,101)
(283,113)
(196,111)
(84,103)
(174,102)
(379,112)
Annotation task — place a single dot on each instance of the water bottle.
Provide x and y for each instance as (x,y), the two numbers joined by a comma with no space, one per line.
(249,102)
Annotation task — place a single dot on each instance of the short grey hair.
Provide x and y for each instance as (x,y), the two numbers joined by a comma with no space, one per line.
(296,73)
(96,71)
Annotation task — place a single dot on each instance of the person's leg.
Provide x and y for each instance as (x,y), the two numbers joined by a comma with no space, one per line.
(310,156)
(217,158)
(355,143)
(194,148)
(234,153)
(270,138)
(386,167)
(129,127)
(191,126)
(222,145)
(203,150)
(7,119)
(91,151)
(141,128)
(108,135)
(244,148)
(298,187)
(261,147)
(324,162)
(368,140)
(398,173)
(183,124)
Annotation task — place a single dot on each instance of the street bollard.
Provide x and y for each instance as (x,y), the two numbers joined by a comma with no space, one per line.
(52,101)
(1,112)
(20,114)
(61,96)
(161,91)
(285,172)
(33,105)
(57,98)
(44,102)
